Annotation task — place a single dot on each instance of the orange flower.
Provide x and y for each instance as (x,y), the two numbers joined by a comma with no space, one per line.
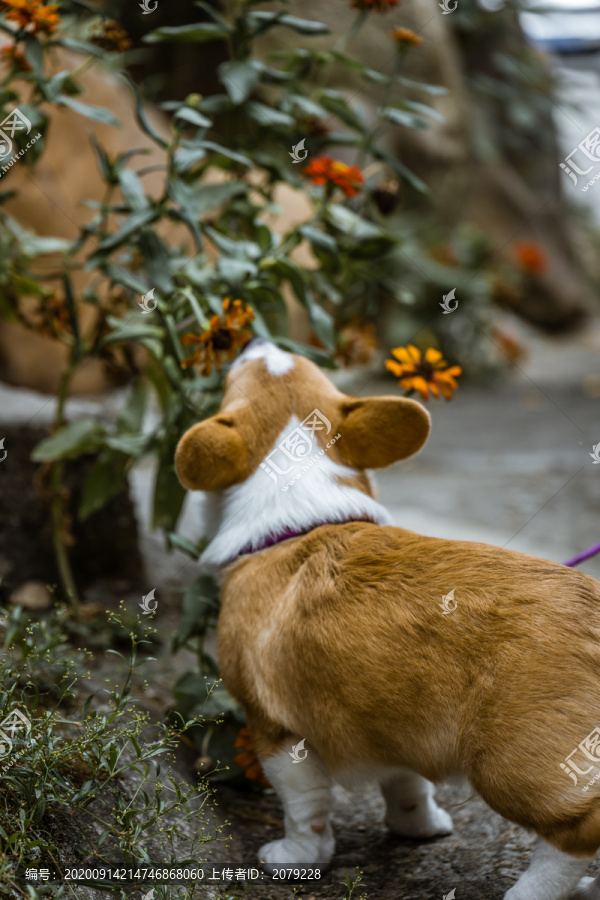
(381,6)
(222,338)
(405,37)
(325,170)
(357,343)
(511,349)
(15,55)
(423,374)
(247,758)
(111,37)
(386,195)
(530,257)
(31,15)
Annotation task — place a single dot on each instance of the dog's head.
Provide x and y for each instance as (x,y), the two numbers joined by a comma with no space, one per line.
(270,392)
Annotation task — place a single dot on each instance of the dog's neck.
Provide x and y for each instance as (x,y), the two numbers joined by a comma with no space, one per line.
(283,499)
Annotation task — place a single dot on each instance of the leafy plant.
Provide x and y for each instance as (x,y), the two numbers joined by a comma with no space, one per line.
(65,775)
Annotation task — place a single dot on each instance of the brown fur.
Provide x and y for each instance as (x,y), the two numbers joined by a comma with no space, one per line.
(337,636)
(227,448)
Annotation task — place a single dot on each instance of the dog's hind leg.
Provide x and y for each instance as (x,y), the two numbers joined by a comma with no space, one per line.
(304,788)
(587,889)
(552,875)
(411,810)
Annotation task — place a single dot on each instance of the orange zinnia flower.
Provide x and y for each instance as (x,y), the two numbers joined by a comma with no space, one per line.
(423,374)
(31,15)
(325,170)
(531,257)
(510,347)
(381,6)
(222,338)
(357,343)
(16,56)
(247,758)
(406,37)
(111,37)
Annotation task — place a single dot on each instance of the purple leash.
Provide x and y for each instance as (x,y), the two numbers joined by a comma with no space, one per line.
(591,551)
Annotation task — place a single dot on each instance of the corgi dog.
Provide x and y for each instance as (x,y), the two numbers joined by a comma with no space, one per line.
(330,631)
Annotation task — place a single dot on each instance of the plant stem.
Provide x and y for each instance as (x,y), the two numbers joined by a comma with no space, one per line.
(346,39)
(63,563)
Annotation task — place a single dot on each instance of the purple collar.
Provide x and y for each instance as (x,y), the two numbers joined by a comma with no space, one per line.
(289,533)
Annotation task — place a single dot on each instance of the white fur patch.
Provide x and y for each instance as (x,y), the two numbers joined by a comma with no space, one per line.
(551,875)
(305,791)
(278,362)
(265,505)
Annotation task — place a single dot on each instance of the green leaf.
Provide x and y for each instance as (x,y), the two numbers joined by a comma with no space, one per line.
(131,331)
(267,115)
(235,271)
(131,416)
(237,249)
(141,114)
(73,317)
(230,154)
(239,78)
(392,160)
(132,189)
(169,494)
(178,215)
(320,320)
(200,598)
(307,106)
(136,221)
(350,223)
(130,444)
(313,353)
(31,244)
(126,278)
(193,116)
(34,55)
(402,117)
(104,164)
(80,46)
(319,238)
(104,481)
(157,260)
(179,542)
(366,240)
(96,113)
(187,156)
(269,75)
(337,103)
(424,109)
(199,199)
(434,89)
(74,439)
(302,26)
(195,33)
(213,13)
(322,323)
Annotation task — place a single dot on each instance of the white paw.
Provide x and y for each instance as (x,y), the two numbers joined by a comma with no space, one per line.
(585,890)
(288,852)
(423,822)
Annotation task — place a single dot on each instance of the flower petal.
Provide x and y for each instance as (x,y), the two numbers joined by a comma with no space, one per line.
(432,355)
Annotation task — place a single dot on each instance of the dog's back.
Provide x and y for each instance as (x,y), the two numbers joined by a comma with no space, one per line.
(406,657)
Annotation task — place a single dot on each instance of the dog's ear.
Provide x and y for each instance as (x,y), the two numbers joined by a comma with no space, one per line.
(378,431)
(212,455)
